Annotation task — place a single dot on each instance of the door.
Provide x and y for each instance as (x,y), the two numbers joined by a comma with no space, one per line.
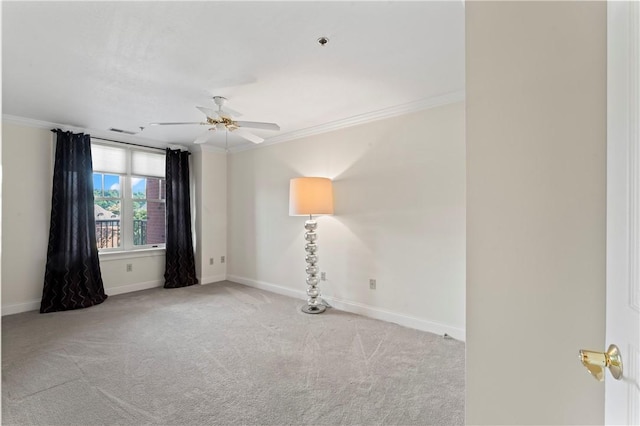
(622,397)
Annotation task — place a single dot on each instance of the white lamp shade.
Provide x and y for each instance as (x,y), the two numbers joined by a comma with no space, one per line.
(310,195)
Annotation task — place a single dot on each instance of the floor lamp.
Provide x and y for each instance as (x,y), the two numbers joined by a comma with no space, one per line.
(309,196)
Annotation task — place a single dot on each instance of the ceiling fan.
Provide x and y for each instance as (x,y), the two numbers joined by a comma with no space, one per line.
(222,119)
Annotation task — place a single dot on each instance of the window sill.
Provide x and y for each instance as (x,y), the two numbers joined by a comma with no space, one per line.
(117,255)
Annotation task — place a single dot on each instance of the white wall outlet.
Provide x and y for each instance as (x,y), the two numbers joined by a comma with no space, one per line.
(372,284)
(211,261)
(129,267)
(323,276)
(221,259)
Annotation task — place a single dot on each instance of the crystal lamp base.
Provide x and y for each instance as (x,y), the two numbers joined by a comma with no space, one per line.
(318,309)
(314,305)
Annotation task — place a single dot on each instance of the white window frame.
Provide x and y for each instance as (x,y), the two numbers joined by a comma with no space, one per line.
(120,199)
(146,199)
(126,212)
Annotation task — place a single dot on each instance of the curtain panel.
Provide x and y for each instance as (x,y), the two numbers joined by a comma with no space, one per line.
(180,267)
(72,277)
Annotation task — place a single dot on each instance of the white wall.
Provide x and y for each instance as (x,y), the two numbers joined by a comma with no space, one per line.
(147,271)
(27,168)
(536,156)
(28,154)
(210,175)
(1,173)
(26,211)
(399,190)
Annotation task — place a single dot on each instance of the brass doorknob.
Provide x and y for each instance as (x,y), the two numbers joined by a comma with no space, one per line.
(596,362)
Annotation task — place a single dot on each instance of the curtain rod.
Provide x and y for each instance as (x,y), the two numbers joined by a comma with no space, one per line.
(129,143)
(111,140)
(133,144)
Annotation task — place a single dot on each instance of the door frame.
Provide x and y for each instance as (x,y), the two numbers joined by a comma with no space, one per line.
(623,203)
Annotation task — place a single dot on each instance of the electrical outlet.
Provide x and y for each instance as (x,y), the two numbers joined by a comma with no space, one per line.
(129,267)
(323,276)
(211,261)
(372,284)
(221,259)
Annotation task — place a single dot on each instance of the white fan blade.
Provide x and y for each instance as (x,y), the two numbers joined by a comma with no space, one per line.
(177,123)
(230,112)
(204,138)
(248,135)
(211,113)
(258,125)
(224,114)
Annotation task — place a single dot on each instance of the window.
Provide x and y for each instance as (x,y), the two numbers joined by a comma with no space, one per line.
(129,197)
(148,211)
(107,207)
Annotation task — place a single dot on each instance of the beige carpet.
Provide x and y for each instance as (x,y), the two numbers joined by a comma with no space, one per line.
(224,354)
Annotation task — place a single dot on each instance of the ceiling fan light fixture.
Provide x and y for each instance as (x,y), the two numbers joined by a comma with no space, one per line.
(322,41)
(223,120)
(220,101)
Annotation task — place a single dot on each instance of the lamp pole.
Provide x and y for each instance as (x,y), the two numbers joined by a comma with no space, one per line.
(313,306)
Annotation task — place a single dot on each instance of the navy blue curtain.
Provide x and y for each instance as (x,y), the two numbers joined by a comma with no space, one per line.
(72,278)
(180,267)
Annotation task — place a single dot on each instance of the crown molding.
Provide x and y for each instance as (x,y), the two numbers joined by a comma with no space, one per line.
(207,148)
(394,111)
(39,124)
(104,134)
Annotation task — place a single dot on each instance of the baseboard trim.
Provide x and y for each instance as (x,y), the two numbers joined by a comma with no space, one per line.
(34,305)
(430,326)
(361,309)
(341,304)
(212,279)
(128,288)
(18,308)
(263,285)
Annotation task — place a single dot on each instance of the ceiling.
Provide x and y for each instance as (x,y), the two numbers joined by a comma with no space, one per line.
(101,65)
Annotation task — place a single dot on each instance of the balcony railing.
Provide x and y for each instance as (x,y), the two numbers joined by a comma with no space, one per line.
(139,232)
(108,232)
